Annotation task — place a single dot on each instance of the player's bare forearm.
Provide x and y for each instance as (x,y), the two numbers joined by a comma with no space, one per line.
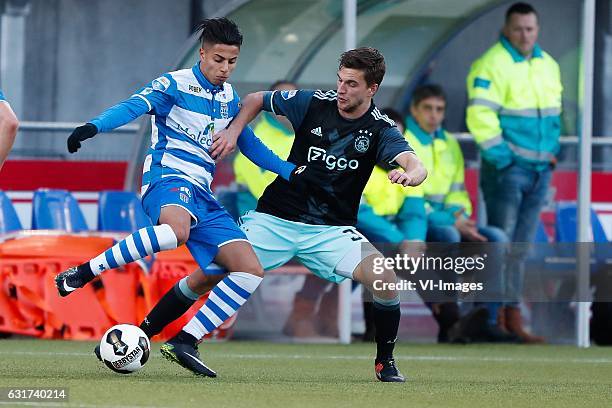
(414,170)
(224,142)
(252,104)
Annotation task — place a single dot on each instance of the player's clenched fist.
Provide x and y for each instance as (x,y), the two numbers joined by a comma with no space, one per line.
(79,134)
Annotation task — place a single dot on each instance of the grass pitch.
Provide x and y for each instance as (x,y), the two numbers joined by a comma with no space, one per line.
(255,374)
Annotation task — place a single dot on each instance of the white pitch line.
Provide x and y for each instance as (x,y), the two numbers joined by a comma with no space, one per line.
(357,357)
(428,358)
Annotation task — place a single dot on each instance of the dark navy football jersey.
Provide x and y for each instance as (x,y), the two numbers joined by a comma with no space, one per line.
(341,152)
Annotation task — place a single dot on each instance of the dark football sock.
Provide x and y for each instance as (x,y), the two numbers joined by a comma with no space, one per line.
(386,321)
(168,309)
(184,338)
(86,272)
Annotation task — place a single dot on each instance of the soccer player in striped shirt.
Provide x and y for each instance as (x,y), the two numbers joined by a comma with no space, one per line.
(186,107)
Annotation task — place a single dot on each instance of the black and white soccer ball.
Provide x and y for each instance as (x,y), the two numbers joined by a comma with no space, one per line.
(125,348)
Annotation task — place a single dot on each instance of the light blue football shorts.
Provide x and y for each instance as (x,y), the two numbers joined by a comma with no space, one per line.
(330,252)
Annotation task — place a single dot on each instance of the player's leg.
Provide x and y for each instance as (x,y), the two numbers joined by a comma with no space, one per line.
(177,300)
(382,231)
(273,245)
(244,276)
(174,218)
(270,244)
(337,253)
(386,306)
(214,226)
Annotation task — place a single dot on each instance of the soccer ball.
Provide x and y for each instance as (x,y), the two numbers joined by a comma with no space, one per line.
(125,348)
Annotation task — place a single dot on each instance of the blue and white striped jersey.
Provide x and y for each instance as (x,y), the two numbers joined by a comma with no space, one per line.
(186,110)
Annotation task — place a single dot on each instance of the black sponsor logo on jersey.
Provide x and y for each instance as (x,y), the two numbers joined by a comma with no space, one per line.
(331,162)
(195,89)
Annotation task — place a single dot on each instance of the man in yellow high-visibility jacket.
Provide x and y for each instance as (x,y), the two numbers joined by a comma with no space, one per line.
(437,211)
(514,110)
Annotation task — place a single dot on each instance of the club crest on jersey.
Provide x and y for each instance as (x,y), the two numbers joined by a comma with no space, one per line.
(160,84)
(184,194)
(288,94)
(362,143)
(224,111)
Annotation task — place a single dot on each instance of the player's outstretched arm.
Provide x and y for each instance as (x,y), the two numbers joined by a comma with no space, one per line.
(224,142)
(261,155)
(414,172)
(8,130)
(112,118)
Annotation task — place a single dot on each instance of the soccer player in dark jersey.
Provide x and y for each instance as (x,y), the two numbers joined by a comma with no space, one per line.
(339,137)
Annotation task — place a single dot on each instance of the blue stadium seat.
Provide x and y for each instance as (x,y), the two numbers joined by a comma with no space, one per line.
(566,220)
(121,211)
(57,209)
(9,221)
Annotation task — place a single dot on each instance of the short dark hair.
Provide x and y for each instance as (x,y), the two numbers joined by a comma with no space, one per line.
(393,115)
(280,82)
(219,31)
(366,59)
(520,8)
(427,91)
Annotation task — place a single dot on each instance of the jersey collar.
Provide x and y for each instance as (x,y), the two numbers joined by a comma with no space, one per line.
(368,112)
(516,55)
(423,137)
(205,82)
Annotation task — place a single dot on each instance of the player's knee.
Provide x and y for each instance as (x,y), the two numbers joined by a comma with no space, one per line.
(251,266)
(383,284)
(256,269)
(200,283)
(389,276)
(179,220)
(181,232)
